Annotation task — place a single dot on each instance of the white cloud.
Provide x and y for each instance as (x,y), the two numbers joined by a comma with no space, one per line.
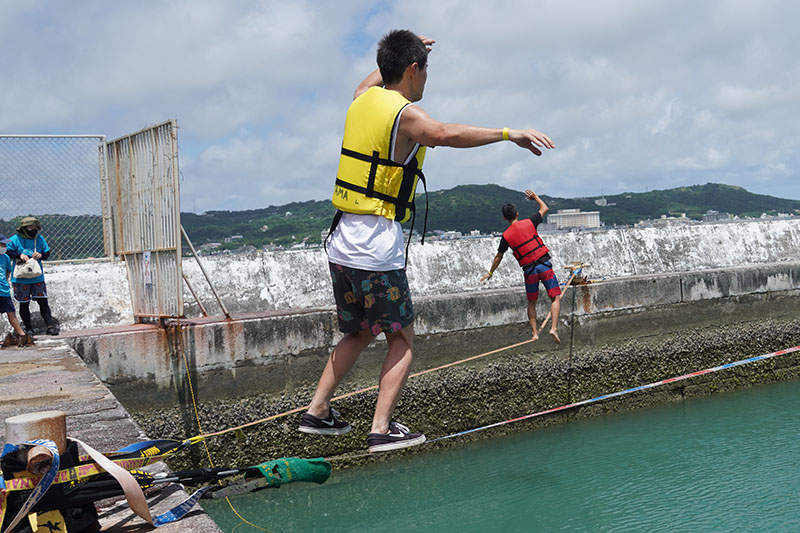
(636,95)
(665,119)
(707,159)
(737,98)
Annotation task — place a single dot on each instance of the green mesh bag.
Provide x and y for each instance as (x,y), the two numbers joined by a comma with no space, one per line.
(290,469)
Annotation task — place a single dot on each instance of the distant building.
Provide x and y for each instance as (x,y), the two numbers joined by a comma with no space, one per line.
(602,202)
(716,216)
(573,218)
(547,227)
(665,221)
(451,235)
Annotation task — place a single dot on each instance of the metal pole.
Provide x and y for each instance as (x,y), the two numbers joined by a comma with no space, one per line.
(105,185)
(205,274)
(176,188)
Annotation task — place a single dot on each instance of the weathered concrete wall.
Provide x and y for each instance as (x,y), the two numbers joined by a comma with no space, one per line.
(279,352)
(499,388)
(621,332)
(92,295)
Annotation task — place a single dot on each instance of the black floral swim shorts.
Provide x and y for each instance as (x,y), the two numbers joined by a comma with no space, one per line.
(374,301)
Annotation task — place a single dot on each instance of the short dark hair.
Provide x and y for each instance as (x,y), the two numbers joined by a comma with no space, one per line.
(510,211)
(396,51)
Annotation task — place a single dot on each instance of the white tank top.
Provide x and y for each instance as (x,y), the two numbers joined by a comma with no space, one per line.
(367,242)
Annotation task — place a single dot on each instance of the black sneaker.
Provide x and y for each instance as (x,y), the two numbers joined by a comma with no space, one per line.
(398,437)
(52,330)
(324,426)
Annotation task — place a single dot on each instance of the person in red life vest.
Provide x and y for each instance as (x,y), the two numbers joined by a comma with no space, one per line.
(534,258)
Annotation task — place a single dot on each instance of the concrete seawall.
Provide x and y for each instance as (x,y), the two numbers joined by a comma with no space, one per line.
(276,352)
(667,302)
(94,295)
(509,384)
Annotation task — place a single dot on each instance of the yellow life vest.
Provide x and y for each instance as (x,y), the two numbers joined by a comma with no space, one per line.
(368,181)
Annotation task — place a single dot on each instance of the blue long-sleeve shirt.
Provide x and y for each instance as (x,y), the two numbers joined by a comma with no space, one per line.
(5,266)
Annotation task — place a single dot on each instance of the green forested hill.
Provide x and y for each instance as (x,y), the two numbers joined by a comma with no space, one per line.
(279,225)
(469,207)
(463,208)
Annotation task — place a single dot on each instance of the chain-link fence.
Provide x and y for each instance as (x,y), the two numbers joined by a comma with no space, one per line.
(57,180)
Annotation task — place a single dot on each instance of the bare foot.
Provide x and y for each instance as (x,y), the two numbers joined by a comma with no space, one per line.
(554,334)
(535,336)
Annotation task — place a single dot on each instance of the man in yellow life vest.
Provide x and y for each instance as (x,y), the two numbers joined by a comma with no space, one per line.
(383,149)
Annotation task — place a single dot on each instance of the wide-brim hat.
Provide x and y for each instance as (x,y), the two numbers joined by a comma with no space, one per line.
(29,221)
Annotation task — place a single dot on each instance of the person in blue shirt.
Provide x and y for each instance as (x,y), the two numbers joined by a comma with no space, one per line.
(6,303)
(28,245)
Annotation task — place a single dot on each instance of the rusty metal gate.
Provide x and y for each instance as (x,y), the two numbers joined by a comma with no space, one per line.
(142,193)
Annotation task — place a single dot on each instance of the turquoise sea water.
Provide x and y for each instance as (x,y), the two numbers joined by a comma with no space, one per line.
(724,463)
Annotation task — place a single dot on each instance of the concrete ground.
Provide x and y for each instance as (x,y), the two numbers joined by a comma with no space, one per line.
(51,376)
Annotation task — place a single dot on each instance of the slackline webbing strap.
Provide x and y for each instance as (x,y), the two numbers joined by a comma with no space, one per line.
(627,391)
(726,366)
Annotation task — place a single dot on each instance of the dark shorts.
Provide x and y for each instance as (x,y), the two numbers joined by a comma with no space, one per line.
(7,305)
(541,272)
(374,301)
(23,292)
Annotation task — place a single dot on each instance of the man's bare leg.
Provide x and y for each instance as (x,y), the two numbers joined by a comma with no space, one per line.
(555,308)
(532,319)
(342,358)
(394,373)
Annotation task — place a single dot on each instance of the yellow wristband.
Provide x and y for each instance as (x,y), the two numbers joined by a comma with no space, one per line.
(505,134)
(490,273)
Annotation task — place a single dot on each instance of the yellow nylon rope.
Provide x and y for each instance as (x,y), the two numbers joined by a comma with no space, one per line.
(200,427)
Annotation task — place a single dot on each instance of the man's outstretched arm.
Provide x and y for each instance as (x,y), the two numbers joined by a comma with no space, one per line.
(417,125)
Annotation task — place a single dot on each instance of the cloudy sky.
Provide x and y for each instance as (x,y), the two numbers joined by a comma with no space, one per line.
(636,95)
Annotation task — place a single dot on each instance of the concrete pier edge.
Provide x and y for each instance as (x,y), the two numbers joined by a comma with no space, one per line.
(51,376)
